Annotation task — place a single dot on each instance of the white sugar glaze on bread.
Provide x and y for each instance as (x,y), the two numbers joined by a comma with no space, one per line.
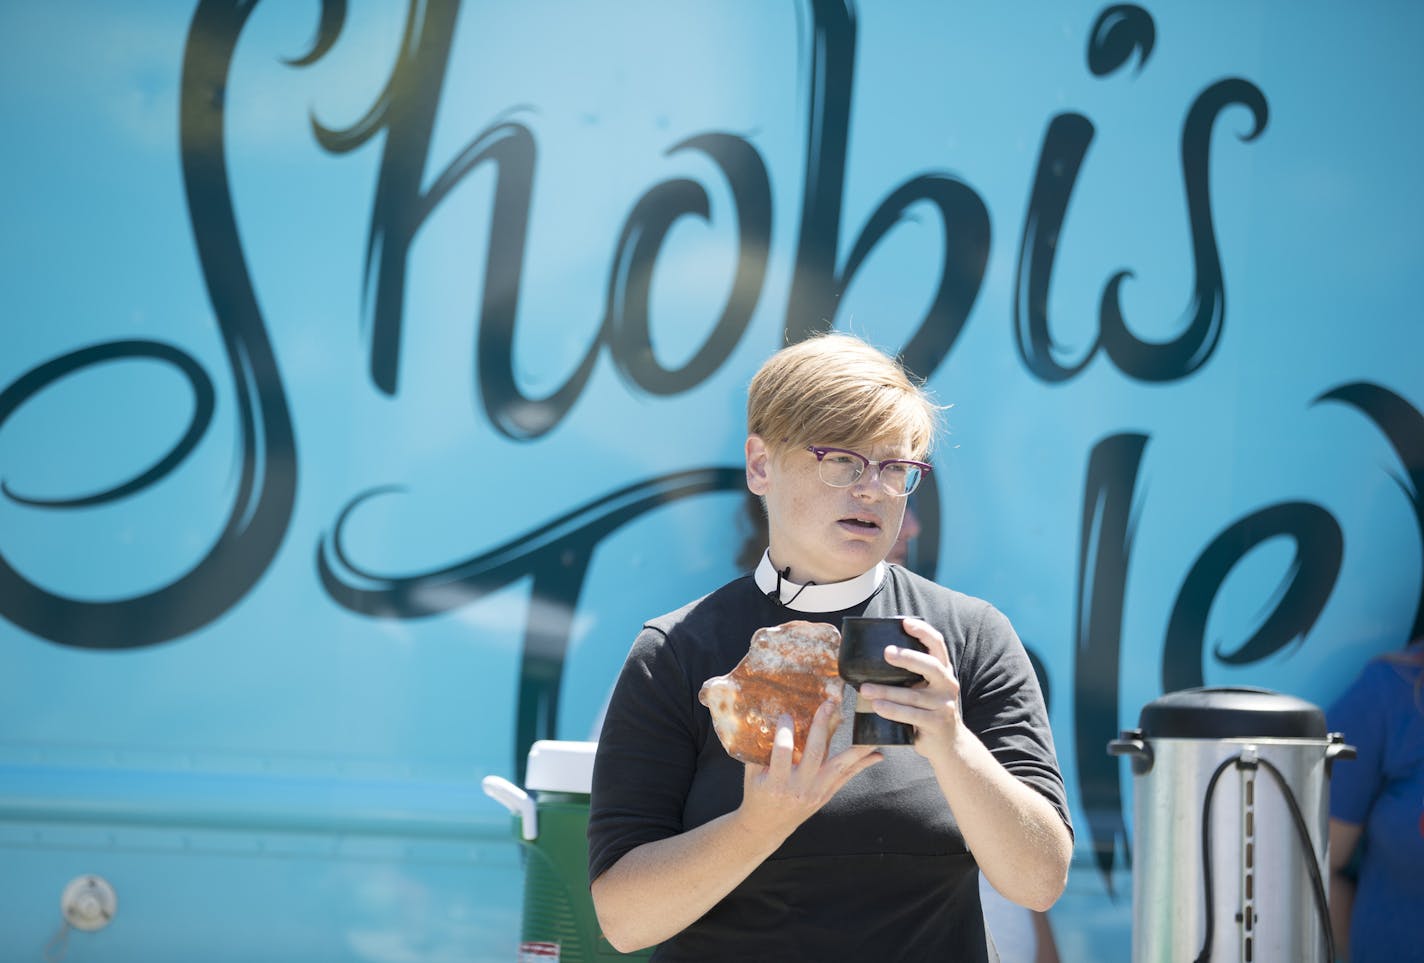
(789,668)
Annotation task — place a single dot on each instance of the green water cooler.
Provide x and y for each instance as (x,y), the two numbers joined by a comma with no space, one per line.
(551,822)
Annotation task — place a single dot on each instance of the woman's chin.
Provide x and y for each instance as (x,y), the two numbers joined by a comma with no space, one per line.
(856,557)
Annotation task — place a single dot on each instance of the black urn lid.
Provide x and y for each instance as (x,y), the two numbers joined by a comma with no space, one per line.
(1239,712)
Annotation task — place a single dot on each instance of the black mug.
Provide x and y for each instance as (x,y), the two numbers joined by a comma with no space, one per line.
(862,659)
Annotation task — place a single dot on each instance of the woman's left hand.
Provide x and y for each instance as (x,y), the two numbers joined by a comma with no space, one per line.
(931,706)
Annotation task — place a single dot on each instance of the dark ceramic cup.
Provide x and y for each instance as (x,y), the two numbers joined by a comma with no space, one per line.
(862,659)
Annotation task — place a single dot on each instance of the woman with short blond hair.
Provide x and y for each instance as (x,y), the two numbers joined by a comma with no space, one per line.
(854,852)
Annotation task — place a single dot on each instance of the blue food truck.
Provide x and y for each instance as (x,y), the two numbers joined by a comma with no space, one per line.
(370,370)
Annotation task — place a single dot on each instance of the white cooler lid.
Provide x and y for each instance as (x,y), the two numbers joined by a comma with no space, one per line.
(559,766)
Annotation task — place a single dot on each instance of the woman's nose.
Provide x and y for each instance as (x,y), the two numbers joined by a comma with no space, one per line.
(868,484)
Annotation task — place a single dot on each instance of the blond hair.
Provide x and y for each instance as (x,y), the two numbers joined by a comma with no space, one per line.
(834,388)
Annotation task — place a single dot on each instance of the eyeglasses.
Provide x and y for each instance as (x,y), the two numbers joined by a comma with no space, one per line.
(842,468)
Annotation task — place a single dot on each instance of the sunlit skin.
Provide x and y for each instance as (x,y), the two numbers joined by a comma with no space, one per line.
(824,534)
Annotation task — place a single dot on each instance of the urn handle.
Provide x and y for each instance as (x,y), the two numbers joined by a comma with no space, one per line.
(1337,750)
(1131,743)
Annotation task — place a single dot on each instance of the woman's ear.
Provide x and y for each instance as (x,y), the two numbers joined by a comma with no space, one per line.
(758,462)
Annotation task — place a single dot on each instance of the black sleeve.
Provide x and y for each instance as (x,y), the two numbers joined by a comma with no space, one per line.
(646,755)
(1003,705)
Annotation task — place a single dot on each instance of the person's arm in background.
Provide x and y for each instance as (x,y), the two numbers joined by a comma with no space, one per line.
(1344,837)
(1361,713)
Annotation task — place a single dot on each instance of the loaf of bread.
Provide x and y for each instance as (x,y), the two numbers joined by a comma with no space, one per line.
(789,668)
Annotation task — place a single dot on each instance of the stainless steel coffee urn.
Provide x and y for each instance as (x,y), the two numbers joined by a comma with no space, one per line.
(1230,812)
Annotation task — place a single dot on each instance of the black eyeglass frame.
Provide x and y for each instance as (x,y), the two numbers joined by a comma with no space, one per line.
(821,451)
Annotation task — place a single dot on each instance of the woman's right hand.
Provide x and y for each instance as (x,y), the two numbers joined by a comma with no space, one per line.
(780,796)
(687,874)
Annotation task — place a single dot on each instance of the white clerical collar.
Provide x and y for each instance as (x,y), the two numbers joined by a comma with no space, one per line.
(813,597)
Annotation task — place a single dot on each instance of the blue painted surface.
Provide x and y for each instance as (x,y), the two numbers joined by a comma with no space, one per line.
(256,658)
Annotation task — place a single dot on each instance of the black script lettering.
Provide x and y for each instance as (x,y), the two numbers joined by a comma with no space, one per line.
(37,379)
(1064,145)
(555,554)
(638,247)
(925,548)
(924,560)
(511,147)
(1312,574)
(406,111)
(625,326)
(1118,32)
(1104,549)
(816,283)
(1299,600)
(1202,320)
(1403,425)
(267,475)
